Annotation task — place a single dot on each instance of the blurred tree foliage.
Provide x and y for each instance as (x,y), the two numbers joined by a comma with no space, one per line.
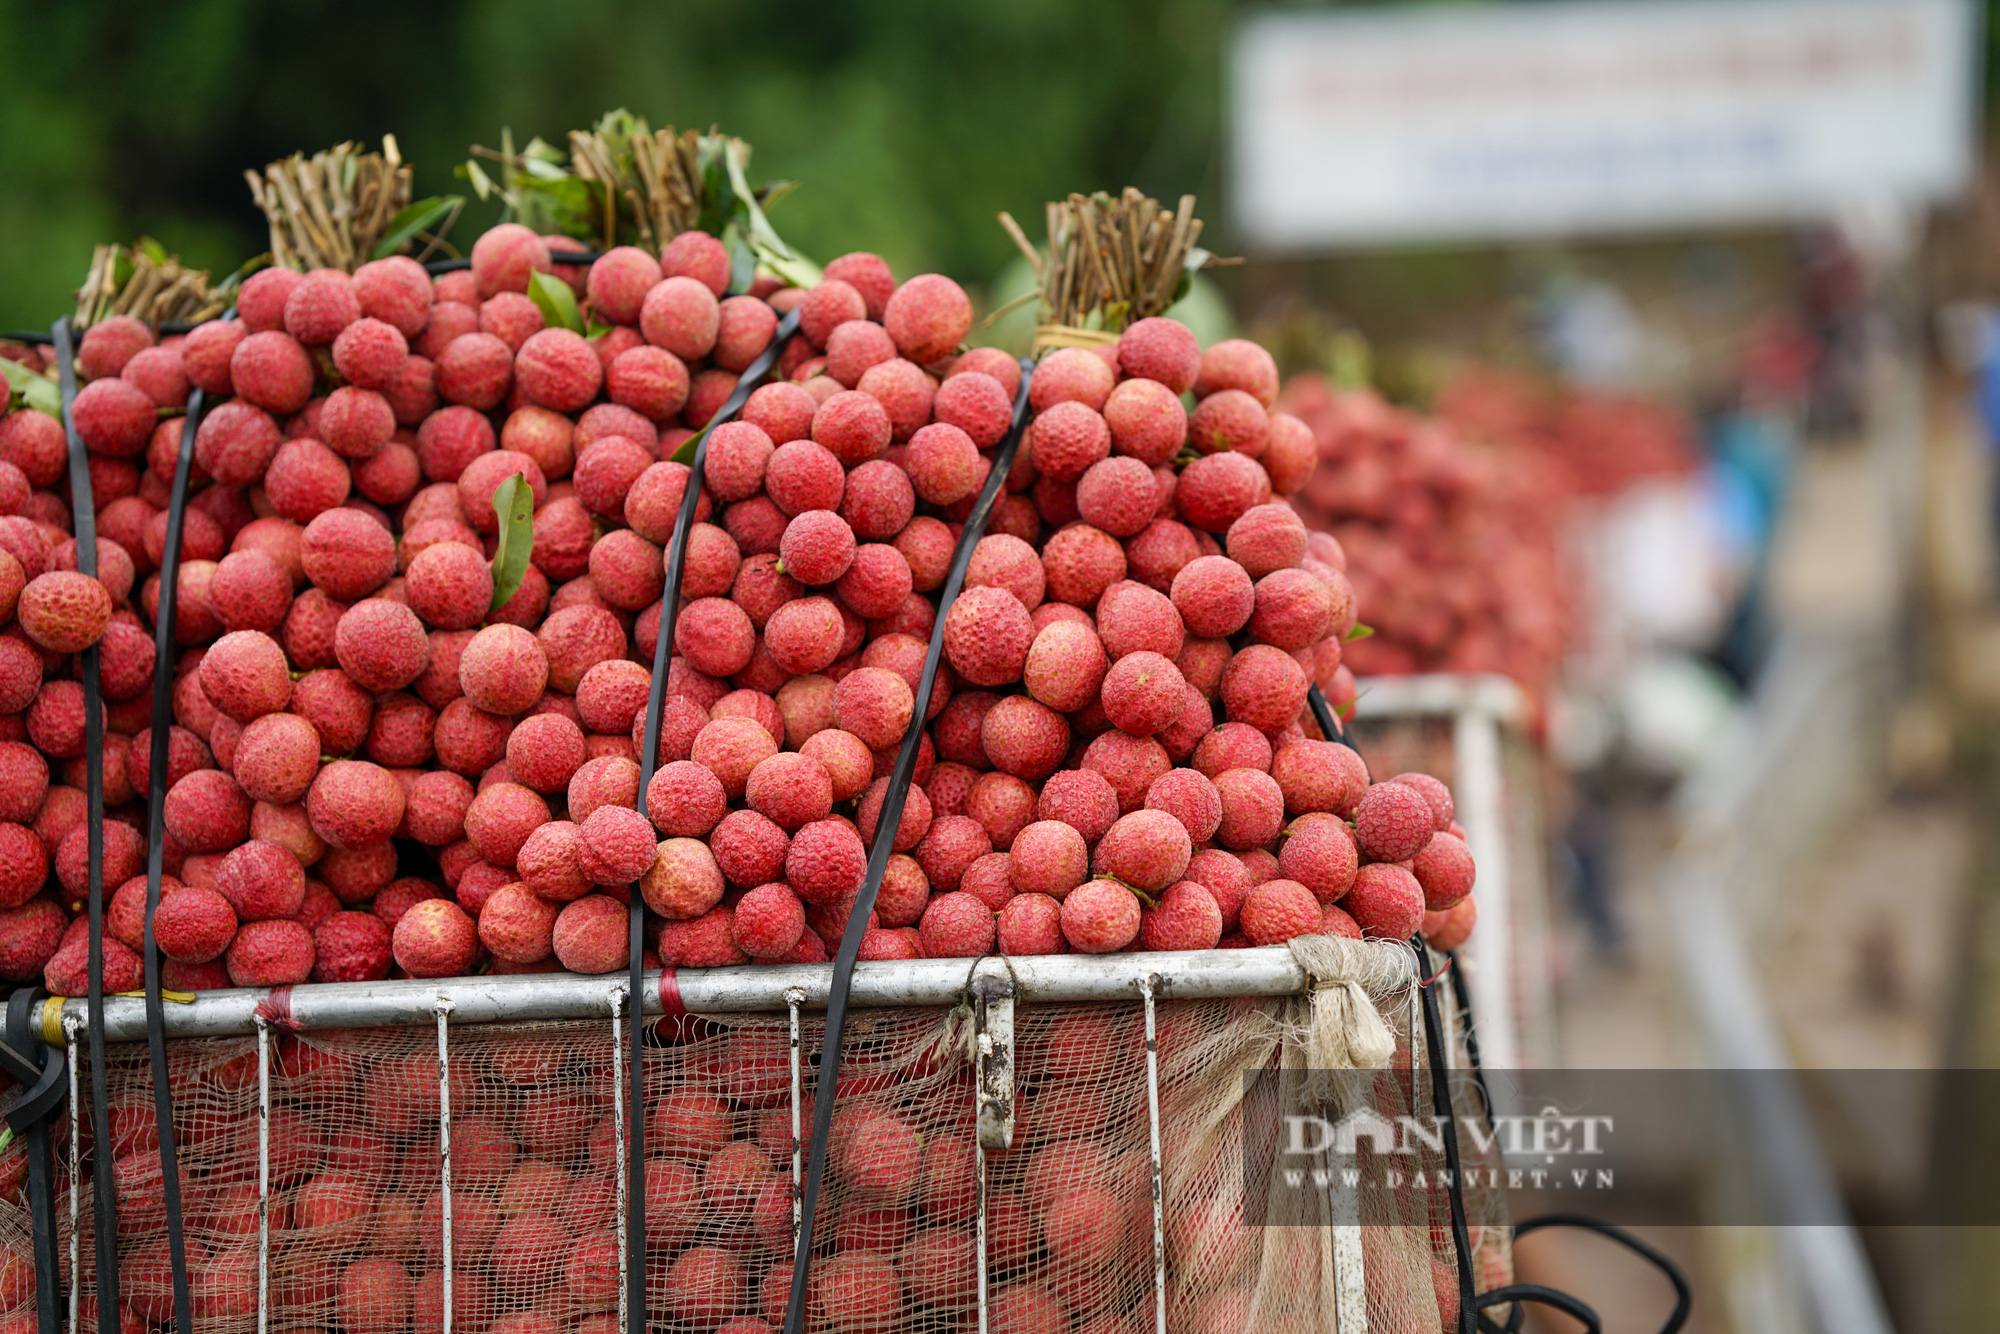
(908,123)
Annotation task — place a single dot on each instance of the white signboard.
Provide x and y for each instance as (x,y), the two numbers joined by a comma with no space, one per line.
(1540,119)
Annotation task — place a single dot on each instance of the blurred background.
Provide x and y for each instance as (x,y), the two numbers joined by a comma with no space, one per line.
(1653,350)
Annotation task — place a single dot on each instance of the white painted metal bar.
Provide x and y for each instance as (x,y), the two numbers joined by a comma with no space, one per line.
(263,1175)
(985,1264)
(1038,979)
(444,1008)
(1479,707)
(1147,988)
(793,1000)
(72,1024)
(617,999)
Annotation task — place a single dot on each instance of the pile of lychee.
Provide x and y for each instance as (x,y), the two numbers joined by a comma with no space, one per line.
(374,769)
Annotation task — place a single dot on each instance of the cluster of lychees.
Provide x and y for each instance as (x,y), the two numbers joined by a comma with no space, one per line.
(373,768)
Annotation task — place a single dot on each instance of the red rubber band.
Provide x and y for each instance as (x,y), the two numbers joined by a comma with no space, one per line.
(276,1010)
(670,996)
(1449,960)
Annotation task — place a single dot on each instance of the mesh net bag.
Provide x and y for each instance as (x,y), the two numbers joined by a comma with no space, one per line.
(356,1202)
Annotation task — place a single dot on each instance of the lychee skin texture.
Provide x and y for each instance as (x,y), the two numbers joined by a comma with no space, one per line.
(1117,495)
(1392,822)
(558,370)
(1214,596)
(928,316)
(1065,665)
(768,922)
(320,307)
(1070,375)
(943,463)
(194,925)
(1319,853)
(261,881)
(681,315)
(1320,776)
(503,670)
(1446,931)
(347,554)
(1146,849)
(351,947)
(1213,492)
(977,404)
(817,548)
(1030,924)
(1434,792)
(1189,797)
(1143,693)
(64,612)
(1100,917)
(353,804)
(1386,901)
(505,257)
(956,925)
(1185,918)
(619,281)
(475,370)
(1024,737)
(986,636)
(370,353)
(270,954)
(245,675)
(826,862)
(1253,809)
(1445,870)
(1265,687)
(615,845)
(435,938)
(1048,857)
(1160,349)
(1065,440)
(380,644)
(591,935)
(1277,910)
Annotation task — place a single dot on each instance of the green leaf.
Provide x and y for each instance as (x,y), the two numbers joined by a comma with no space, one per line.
(596,330)
(514,503)
(37,391)
(685,454)
(742,261)
(553,297)
(6,1137)
(482,184)
(1358,632)
(426,215)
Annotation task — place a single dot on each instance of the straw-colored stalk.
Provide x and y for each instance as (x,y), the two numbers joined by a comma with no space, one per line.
(1110,261)
(660,183)
(147,284)
(329,211)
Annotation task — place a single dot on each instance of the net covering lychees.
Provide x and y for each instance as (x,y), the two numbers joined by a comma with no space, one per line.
(356,1200)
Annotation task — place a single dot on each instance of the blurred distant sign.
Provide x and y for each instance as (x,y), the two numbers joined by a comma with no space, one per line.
(1549,119)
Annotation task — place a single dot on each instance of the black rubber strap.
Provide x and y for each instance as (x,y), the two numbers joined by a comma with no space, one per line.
(437,266)
(42,1071)
(886,824)
(163,694)
(1517,1293)
(1462,994)
(1329,721)
(84,524)
(1683,1290)
(649,758)
(1461,1235)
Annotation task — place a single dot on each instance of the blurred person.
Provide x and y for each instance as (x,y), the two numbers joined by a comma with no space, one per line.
(1986,401)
